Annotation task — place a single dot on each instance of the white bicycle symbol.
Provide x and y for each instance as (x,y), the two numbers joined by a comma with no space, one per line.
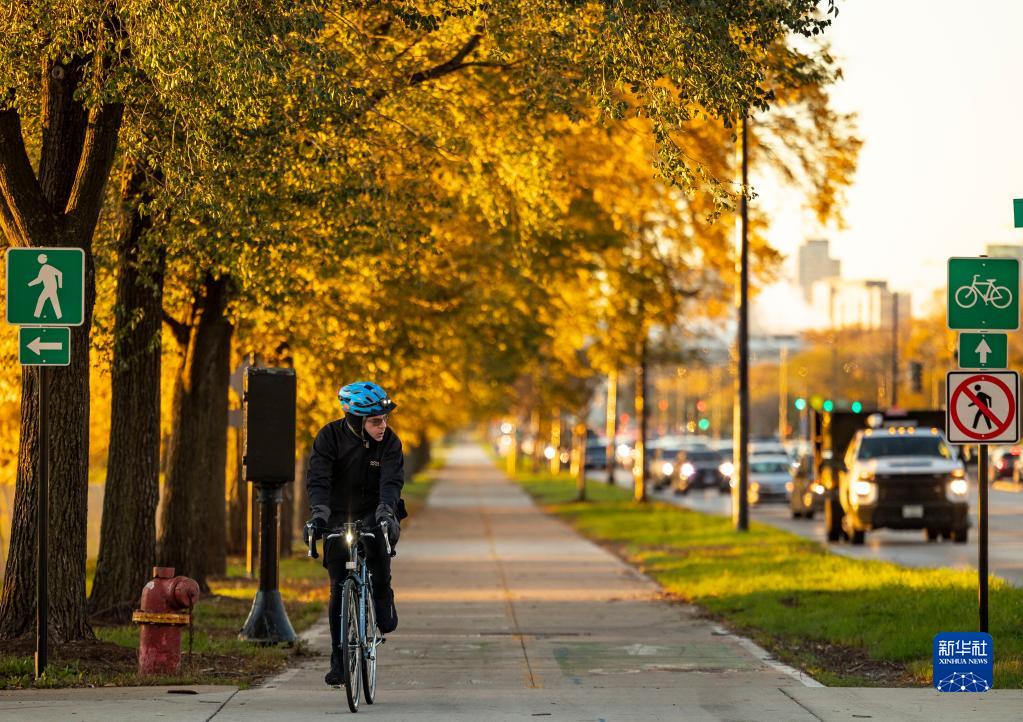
(997,296)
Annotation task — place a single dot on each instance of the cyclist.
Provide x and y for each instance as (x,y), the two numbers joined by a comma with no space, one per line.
(356,473)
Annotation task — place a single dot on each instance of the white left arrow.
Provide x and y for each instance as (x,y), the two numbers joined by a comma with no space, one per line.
(983,350)
(37,345)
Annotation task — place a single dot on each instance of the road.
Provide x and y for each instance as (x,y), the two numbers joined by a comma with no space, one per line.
(1005,548)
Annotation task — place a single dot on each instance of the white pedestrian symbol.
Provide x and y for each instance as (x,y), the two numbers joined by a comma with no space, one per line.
(52,279)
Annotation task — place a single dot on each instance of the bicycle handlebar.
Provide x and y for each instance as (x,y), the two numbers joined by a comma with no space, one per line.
(312,553)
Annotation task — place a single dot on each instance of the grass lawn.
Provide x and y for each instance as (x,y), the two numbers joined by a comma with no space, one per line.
(846,622)
(218,656)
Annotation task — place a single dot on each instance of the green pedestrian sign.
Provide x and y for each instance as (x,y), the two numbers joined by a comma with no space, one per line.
(44,346)
(983,294)
(45,286)
(983,350)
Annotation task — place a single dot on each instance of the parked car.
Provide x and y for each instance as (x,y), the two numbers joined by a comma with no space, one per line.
(770,478)
(1005,463)
(595,454)
(697,468)
(808,493)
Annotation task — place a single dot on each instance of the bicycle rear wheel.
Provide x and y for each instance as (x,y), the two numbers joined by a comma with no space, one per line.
(369,657)
(351,649)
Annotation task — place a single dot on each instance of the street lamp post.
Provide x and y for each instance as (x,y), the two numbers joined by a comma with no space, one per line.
(740,499)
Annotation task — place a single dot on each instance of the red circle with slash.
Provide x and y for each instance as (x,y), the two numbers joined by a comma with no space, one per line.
(1000,425)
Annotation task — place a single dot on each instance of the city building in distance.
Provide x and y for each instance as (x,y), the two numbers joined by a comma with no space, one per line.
(816,264)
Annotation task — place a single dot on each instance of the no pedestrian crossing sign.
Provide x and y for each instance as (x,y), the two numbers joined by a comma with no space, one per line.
(46,286)
(983,350)
(983,407)
(39,346)
(983,294)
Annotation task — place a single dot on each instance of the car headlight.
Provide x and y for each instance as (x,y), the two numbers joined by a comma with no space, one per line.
(958,487)
(688,470)
(817,489)
(863,492)
(727,468)
(667,467)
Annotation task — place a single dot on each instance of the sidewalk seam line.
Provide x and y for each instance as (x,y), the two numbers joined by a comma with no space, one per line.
(222,705)
(507,594)
(808,710)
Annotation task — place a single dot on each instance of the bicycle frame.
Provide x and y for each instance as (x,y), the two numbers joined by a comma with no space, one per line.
(359,571)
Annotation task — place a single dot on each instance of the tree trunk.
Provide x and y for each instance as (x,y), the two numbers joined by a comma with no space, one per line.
(127,547)
(301,503)
(193,517)
(237,494)
(286,536)
(58,207)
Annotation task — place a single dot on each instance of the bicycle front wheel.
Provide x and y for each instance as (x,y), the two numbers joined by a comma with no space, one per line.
(369,656)
(1001,297)
(351,647)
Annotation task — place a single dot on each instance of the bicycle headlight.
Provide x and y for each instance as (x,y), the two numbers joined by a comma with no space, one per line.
(349,538)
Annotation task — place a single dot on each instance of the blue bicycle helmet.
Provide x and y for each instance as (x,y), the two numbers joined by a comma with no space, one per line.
(365,398)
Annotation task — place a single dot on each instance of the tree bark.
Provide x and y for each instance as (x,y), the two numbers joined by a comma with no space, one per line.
(193,517)
(59,207)
(127,547)
(237,495)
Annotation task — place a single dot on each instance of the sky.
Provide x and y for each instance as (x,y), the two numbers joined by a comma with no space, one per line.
(938,89)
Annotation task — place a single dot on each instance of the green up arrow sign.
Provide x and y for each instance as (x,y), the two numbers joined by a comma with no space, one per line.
(983,350)
(983,294)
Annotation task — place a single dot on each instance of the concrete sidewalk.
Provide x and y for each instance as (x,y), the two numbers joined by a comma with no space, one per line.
(508,614)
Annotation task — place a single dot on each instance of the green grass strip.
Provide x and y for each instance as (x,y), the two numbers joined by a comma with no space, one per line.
(842,620)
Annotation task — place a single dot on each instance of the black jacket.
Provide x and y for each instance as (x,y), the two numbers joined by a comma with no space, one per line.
(348,477)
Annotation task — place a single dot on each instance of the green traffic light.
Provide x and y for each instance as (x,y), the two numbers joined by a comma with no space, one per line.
(704,424)
(857,407)
(800,404)
(829,405)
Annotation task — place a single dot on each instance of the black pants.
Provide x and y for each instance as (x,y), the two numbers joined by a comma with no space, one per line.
(335,554)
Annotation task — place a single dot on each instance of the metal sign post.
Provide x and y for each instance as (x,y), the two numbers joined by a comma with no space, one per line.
(45,295)
(983,406)
(42,525)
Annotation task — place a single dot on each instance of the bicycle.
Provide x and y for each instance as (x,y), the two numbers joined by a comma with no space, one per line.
(360,635)
(998,296)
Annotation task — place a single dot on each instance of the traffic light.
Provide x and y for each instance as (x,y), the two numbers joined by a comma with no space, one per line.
(701,406)
(857,407)
(800,404)
(704,424)
(916,376)
(829,405)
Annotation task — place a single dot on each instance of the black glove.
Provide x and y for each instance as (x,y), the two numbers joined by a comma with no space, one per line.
(386,514)
(317,526)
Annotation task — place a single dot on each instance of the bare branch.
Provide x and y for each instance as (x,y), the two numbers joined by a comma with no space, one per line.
(97,158)
(179,330)
(27,210)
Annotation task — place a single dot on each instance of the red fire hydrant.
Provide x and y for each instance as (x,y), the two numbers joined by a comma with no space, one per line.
(161,619)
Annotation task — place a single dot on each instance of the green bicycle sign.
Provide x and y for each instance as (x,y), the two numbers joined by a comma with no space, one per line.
(983,294)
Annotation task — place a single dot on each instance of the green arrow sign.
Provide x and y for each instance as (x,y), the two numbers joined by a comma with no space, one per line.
(983,294)
(983,350)
(44,346)
(45,286)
